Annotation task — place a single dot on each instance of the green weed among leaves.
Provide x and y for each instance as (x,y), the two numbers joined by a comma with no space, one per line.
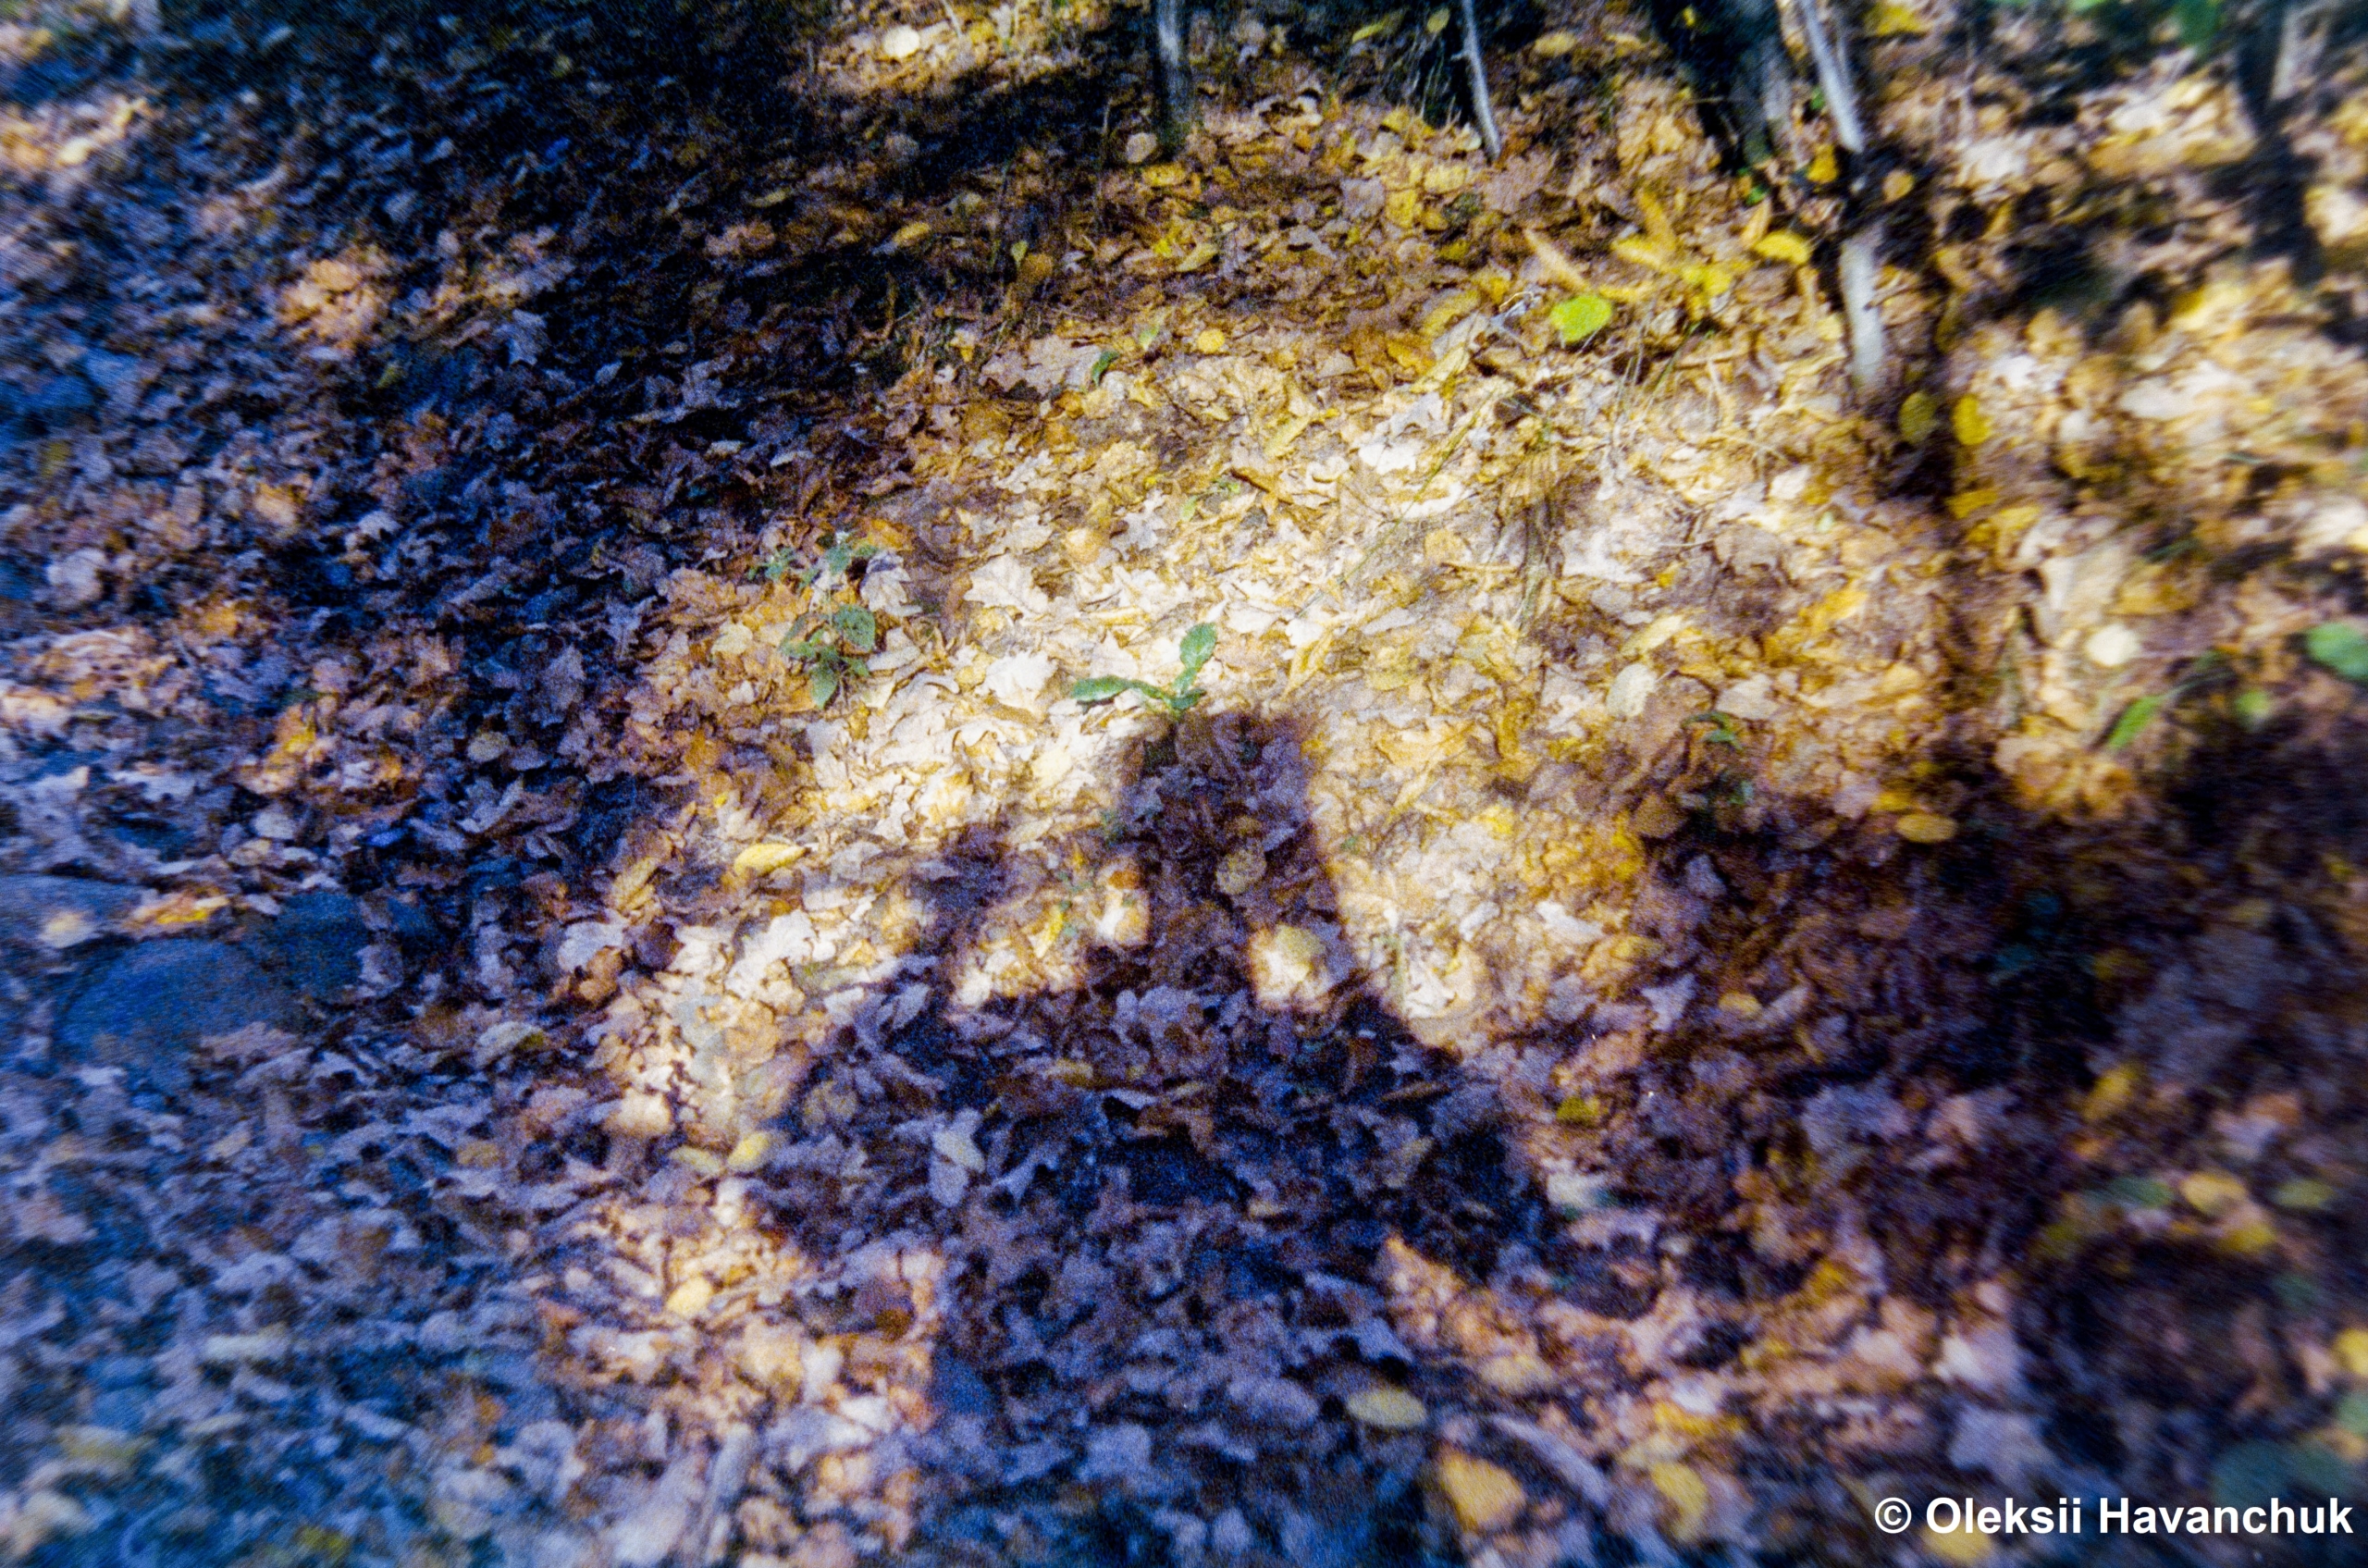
(2341,648)
(2134,720)
(2210,666)
(1722,728)
(833,646)
(1178,696)
(837,556)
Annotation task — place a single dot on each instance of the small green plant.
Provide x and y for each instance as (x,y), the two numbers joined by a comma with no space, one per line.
(2134,720)
(2339,647)
(1722,728)
(838,554)
(833,646)
(2209,667)
(1178,696)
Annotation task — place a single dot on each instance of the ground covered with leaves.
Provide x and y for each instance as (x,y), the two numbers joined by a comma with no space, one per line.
(765,802)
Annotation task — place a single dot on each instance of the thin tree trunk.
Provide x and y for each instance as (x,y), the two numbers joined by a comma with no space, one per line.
(1484,114)
(1860,264)
(1175,76)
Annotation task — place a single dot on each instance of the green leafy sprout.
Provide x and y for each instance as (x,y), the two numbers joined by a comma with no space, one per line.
(833,646)
(838,555)
(1722,728)
(1178,696)
(2134,719)
(2340,646)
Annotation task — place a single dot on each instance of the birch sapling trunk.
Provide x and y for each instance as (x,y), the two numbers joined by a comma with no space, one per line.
(1860,262)
(1484,114)
(1175,76)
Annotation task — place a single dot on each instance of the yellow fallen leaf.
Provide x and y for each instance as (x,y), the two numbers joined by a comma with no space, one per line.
(690,1298)
(1485,1497)
(1926,827)
(1888,19)
(1404,207)
(1971,425)
(763,859)
(1963,1547)
(912,233)
(1784,246)
(1447,310)
(1688,1497)
(1391,1409)
(1209,342)
(1832,611)
(1554,45)
(1823,169)
(1644,252)
(2351,1352)
(278,505)
(2249,1239)
(748,1153)
(705,1161)
(2212,1192)
(1657,222)
(1711,278)
(1517,1373)
(2115,1088)
(1554,261)
(1920,415)
(1163,177)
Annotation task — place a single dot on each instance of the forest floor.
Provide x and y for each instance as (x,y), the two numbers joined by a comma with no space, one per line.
(581,989)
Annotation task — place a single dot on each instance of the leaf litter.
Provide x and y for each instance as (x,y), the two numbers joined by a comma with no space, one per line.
(598,975)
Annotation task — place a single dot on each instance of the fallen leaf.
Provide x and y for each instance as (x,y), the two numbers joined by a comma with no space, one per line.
(1391,1409)
(1485,1497)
